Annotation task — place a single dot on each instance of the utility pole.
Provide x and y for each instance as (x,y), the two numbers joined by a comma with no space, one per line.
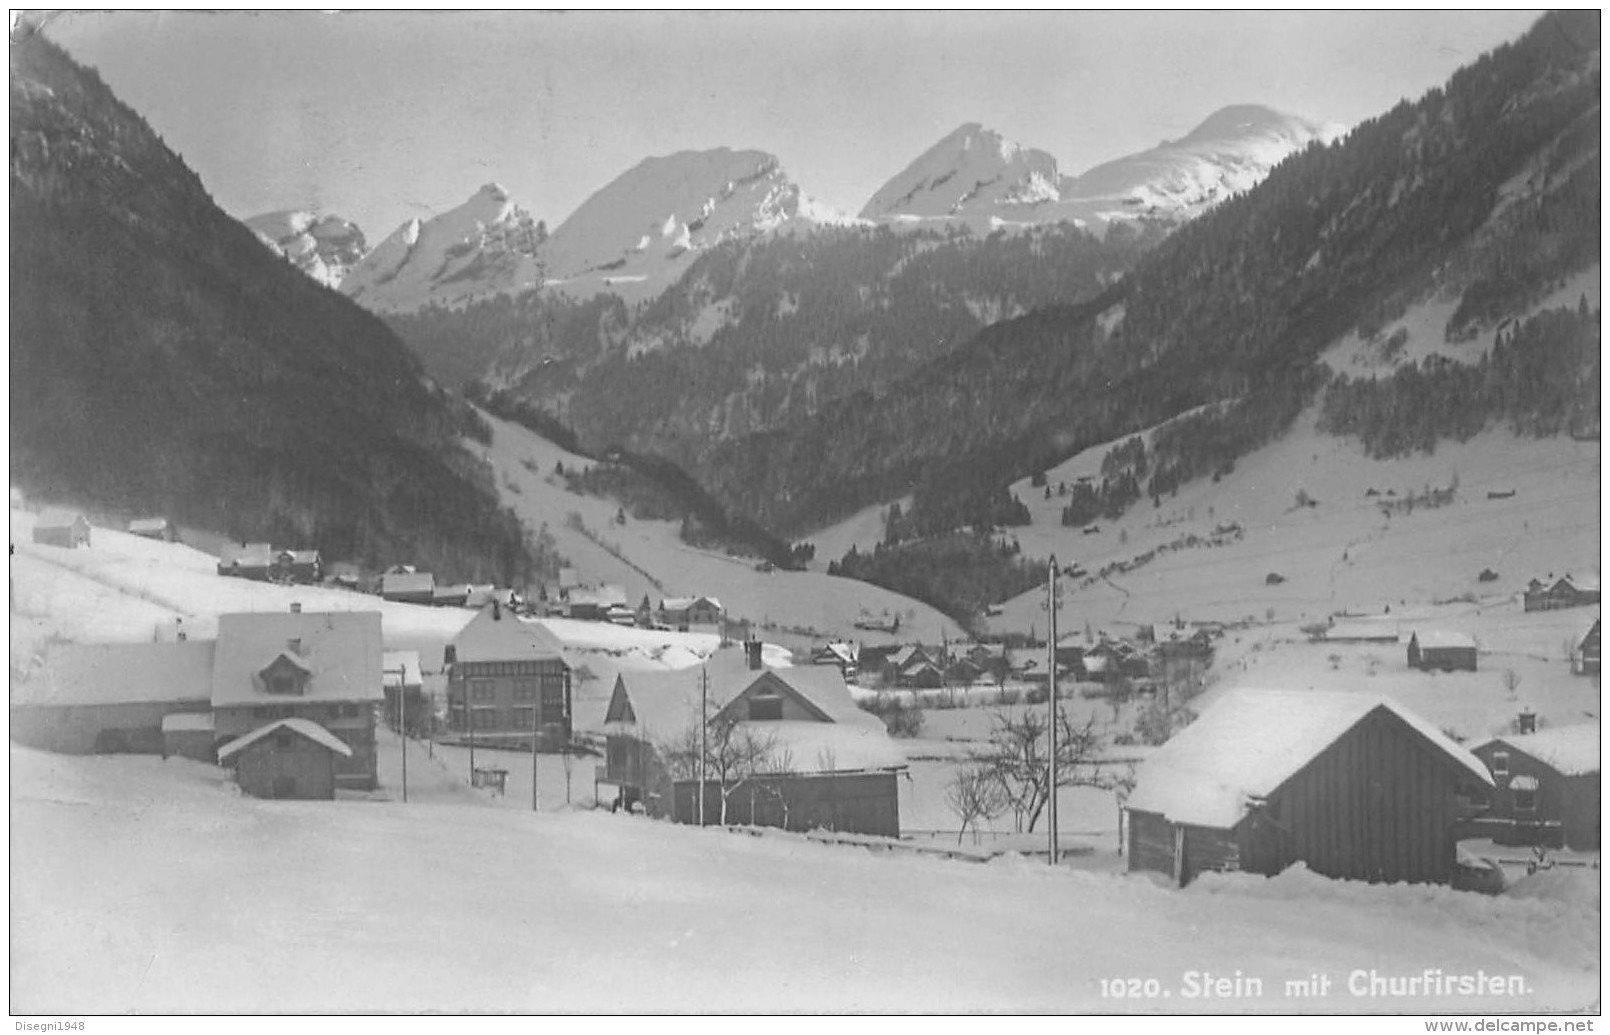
(401,672)
(536,724)
(1051,801)
(704,726)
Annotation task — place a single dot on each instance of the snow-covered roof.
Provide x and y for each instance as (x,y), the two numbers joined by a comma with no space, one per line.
(306,727)
(247,555)
(498,634)
(147,525)
(830,747)
(59,517)
(120,673)
(181,721)
(405,660)
(339,649)
(1251,742)
(410,582)
(1569,750)
(665,704)
(1442,638)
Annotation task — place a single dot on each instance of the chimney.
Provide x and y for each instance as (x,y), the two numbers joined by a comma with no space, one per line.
(1527,721)
(752,651)
(296,607)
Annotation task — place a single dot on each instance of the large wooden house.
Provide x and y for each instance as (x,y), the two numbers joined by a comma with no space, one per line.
(247,561)
(1556,594)
(408,587)
(1546,787)
(1353,785)
(1585,657)
(827,764)
(507,682)
(323,667)
(685,612)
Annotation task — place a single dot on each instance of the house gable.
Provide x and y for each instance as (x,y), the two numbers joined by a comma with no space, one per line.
(769,698)
(620,705)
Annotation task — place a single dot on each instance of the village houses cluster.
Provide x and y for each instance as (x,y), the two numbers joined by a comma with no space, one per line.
(290,700)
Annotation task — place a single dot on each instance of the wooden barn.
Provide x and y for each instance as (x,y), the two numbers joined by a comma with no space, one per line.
(110,697)
(1439,649)
(1546,787)
(60,527)
(408,587)
(286,758)
(324,667)
(247,561)
(1353,785)
(157,528)
(508,677)
(683,612)
(826,763)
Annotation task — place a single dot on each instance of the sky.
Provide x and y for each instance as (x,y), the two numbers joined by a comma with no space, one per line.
(382,116)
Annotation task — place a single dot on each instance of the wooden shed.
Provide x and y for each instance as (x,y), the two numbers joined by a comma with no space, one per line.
(1585,659)
(1437,649)
(1546,787)
(59,527)
(287,758)
(190,735)
(152,528)
(1353,785)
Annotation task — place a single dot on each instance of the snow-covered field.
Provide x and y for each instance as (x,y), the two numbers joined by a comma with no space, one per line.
(150,886)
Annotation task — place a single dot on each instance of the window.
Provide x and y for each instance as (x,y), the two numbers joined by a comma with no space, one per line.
(281,683)
(1501,763)
(482,689)
(524,718)
(553,697)
(1525,800)
(485,718)
(525,689)
(765,706)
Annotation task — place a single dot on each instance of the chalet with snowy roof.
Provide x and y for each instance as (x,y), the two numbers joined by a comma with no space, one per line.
(247,561)
(1555,594)
(152,528)
(825,763)
(449,595)
(60,527)
(324,667)
(1585,658)
(1353,785)
(507,682)
(1546,787)
(593,604)
(1441,649)
(287,758)
(684,612)
(110,697)
(408,587)
(840,655)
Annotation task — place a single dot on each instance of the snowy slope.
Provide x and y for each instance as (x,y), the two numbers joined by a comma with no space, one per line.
(976,178)
(636,235)
(488,245)
(324,247)
(144,888)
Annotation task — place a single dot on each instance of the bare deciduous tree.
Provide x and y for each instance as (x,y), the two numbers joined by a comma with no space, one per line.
(1019,758)
(732,751)
(975,793)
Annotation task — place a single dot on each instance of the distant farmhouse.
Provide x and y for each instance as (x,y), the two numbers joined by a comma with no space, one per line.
(60,527)
(152,528)
(262,563)
(1437,649)
(1559,593)
(1546,787)
(1585,658)
(1353,785)
(684,612)
(408,587)
(826,763)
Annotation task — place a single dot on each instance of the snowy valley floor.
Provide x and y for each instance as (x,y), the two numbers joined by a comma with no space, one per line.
(151,886)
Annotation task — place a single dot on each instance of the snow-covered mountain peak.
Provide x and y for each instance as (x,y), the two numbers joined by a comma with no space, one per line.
(324,247)
(972,174)
(488,245)
(639,232)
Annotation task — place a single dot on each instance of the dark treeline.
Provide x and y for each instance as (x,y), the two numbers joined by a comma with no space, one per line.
(1540,378)
(959,574)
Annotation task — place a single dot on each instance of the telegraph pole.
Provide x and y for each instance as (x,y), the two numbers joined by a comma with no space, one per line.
(704,724)
(1051,802)
(536,724)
